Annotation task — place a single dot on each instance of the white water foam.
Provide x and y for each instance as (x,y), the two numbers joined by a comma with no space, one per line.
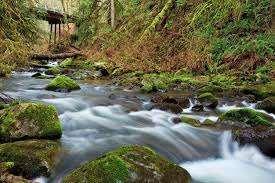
(236,165)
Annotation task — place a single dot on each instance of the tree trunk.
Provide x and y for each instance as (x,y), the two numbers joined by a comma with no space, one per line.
(159,19)
(112,9)
(272,14)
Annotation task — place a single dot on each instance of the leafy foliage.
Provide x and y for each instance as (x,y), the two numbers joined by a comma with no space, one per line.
(18,30)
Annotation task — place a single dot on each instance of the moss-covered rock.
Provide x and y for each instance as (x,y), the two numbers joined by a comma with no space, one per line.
(267,104)
(190,121)
(53,71)
(247,116)
(129,164)
(250,127)
(208,122)
(29,120)
(30,158)
(62,83)
(6,177)
(66,63)
(208,100)
(5,166)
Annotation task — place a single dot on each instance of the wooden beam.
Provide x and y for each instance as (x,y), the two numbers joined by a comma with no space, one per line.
(51,25)
(54,33)
(59,30)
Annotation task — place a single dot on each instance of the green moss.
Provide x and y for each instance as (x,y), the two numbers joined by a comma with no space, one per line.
(155,82)
(207,97)
(5,70)
(66,63)
(4,166)
(248,116)
(190,121)
(29,120)
(30,158)
(62,83)
(109,169)
(208,122)
(129,164)
(163,81)
(260,91)
(53,71)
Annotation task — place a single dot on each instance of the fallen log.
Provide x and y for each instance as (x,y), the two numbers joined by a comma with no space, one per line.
(55,56)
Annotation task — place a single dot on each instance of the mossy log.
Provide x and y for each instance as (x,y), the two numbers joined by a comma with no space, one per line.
(55,56)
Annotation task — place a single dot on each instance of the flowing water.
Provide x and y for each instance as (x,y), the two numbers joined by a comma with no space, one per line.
(101,117)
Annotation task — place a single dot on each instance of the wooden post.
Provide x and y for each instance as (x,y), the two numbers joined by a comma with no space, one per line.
(51,25)
(59,30)
(54,33)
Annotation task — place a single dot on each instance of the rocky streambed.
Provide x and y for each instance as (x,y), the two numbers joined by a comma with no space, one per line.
(101,133)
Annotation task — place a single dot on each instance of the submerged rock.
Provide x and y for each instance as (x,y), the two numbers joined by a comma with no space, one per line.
(173,108)
(129,164)
(250,127)
(182,101)
(208,100)
(267,104)
(30,158)
(190,121)
(173,104)
(29,120)
(36,75)
(197,108)
(62,83)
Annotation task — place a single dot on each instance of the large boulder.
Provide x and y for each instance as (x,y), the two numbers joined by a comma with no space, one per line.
(62,83)
(129,164)
(6,177)
(29,120)
(250,127)
(267,104)
(31,158)
(208,100)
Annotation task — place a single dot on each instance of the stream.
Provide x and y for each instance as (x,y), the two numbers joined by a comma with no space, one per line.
(100,117)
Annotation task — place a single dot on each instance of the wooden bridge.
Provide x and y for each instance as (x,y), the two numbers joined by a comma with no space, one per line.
(55,18)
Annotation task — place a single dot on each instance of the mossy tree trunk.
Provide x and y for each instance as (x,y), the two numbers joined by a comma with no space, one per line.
(272,14)
(112,12)
(160,19)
